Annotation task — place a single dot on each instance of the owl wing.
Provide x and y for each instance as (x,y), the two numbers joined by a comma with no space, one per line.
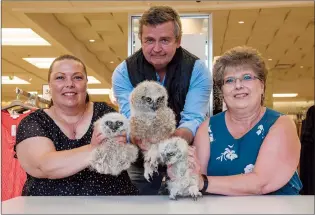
(165,123)
(141,126)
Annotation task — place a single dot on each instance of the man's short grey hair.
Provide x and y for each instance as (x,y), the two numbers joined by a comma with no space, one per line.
(157,15)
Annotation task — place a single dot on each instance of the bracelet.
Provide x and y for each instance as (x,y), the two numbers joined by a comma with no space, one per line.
(205,183)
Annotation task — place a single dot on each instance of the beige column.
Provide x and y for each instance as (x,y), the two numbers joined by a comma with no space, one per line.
(269,91)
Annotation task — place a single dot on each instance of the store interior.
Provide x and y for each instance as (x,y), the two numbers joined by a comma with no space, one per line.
(98,32)
(104,33)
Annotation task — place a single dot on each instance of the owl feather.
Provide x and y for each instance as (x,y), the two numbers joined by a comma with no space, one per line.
(151,121)
(111,157)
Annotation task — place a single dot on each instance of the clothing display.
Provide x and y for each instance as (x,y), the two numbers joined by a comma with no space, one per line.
(230,156)
(12,175)
(84,183)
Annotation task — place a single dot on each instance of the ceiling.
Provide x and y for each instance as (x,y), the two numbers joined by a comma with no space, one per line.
(282,31)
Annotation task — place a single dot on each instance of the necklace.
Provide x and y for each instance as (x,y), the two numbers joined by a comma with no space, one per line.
(73,126)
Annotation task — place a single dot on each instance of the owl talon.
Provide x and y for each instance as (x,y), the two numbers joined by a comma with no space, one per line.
(173,198)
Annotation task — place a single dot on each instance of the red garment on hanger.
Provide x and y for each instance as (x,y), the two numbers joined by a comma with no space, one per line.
(13,176)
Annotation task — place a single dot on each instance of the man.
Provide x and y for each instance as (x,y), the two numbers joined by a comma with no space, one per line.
(186,78)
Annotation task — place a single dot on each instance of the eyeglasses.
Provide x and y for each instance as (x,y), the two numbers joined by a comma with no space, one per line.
(231,81)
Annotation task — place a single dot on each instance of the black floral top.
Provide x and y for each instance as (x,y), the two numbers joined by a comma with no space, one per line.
(84,183)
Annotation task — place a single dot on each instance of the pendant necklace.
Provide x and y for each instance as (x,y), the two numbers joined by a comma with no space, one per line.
(73,126)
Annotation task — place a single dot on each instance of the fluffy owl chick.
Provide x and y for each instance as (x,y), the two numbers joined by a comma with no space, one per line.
(150,116)
(111,157)
(174,152)
(151,120)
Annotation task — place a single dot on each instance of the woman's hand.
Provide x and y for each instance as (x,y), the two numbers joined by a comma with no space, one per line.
(193,164)
(121,139)
(98,138)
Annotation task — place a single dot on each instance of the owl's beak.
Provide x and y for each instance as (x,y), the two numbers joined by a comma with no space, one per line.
(154,106)
(114,127)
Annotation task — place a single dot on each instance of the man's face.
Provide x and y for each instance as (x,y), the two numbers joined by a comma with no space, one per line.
(159,44)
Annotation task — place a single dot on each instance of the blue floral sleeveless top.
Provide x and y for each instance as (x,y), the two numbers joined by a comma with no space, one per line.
(231,156)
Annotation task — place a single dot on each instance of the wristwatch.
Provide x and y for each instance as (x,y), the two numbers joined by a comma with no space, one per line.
(205,183)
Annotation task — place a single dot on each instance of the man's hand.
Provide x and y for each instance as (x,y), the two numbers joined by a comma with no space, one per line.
(184,133)
(143,144)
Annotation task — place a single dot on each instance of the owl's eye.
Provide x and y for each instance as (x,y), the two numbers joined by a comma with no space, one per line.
(170,154)
(108,123)
(149,100)
(160,99)
(119,123)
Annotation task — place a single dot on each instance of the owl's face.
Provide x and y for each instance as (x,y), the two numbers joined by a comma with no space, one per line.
(173,150)
(148,96)
(113,124)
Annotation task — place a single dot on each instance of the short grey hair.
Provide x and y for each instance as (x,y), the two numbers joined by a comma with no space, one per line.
(158,15)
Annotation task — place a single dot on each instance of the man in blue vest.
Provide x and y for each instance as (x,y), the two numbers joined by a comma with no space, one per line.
(161,58)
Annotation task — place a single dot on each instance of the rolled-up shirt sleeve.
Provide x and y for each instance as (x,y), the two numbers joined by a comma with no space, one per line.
(197,98)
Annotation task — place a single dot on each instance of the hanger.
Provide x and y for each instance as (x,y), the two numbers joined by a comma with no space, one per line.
(19,103)
(16,103)
(32,96)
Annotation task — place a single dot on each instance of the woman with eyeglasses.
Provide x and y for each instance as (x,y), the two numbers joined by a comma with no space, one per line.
(248,149)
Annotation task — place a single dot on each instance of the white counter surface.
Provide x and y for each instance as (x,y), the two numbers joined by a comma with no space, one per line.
(159,205)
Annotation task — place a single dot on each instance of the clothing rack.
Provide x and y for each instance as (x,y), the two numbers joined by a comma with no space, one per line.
(29,95)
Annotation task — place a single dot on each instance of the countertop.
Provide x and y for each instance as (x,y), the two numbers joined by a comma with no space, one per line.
(159,204)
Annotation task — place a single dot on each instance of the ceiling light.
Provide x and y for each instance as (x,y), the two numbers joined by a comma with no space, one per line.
(241,22)
(41,63)
(301,67)
(92,41)
(13,80)
(98,91)
(284,95)
(283,66)
(270,59)
(22,37)
(92,80)
(112,62)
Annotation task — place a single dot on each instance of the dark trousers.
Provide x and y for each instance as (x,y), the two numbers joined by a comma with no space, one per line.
(307,172)
(155,187)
